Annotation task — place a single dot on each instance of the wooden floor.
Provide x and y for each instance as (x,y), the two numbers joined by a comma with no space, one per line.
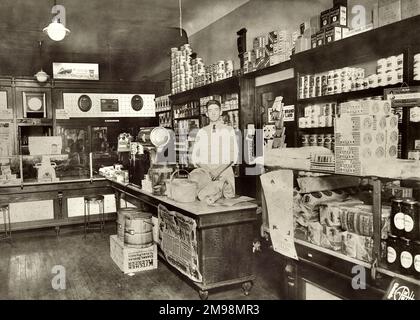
(26,272)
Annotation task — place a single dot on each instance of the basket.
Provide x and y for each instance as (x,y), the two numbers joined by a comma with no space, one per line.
(181,190)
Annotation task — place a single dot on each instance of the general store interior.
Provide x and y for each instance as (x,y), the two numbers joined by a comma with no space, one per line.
(104,103)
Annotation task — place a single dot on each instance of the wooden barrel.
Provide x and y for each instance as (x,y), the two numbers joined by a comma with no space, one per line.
(138,229)
(122,213)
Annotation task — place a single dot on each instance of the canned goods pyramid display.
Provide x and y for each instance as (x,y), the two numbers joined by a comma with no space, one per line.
(188,73)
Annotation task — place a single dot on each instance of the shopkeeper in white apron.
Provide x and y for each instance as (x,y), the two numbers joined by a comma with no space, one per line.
(216,145)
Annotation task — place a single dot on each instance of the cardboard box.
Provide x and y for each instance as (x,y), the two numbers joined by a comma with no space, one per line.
(410,8)
(315,22)
(320,38)
(389,11)
(324,19)
(313,41)
(333,34)
(130,259)
(338,16)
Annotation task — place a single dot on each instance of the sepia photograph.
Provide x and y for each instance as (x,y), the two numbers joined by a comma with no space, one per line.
(209,157)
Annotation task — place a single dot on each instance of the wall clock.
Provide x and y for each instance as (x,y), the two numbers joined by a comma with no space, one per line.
(137,102)
(84,103)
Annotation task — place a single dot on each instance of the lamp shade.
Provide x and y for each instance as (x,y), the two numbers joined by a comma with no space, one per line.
(41,76)
(56,31)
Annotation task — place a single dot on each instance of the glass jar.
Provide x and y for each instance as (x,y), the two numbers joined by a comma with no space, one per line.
(392,253)
(411,219)
(397,218)
(406,256)
(416,263)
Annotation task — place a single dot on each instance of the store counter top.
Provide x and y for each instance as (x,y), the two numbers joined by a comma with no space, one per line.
(198,208)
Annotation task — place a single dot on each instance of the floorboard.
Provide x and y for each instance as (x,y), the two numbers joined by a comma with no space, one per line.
(26,272)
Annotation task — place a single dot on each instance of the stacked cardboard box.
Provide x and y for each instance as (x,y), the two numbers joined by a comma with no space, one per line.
(365,132)
(270,49)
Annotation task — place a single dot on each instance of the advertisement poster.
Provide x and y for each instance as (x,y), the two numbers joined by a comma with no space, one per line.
(76,71)
(178,241)
(278,195)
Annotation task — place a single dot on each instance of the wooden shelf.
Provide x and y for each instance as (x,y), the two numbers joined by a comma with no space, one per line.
(374,44)
(188,118)
(333,253)
(379,91)
(318,129)
(272,69)
(229,85)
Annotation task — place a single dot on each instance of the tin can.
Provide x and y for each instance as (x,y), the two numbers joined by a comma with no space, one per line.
(328,141)
(414,155)
(321,140)
(302,122)
(305,140)
(329,121)
(313,140)
(322,121)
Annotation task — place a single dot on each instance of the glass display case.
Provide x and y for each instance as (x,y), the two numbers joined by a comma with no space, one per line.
(10,169)
(54,168)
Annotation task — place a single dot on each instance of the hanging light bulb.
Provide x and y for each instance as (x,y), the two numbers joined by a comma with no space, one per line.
(41,75)
(56,30)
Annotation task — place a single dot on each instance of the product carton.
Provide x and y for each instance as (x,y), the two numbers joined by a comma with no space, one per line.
(313,41)
(325,18)
(320,38)
(338,16)
(410,8)
(333,34)
(389,11)
(130,259)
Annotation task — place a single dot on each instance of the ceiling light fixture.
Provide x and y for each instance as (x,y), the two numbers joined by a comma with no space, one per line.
(57,30)
(41,75)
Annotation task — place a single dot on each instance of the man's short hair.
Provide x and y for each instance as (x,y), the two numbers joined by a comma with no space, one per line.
(209,103)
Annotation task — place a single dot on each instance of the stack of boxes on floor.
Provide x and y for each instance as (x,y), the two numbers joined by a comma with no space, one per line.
(133,248)
(188,73)
(337,220)
(268,50)
(365,133)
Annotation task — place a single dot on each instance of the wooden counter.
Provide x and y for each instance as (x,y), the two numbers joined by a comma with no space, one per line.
(58,193)
(224,234)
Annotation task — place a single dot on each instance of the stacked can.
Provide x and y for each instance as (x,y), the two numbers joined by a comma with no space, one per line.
(417,67)
(318,116)
(181,69)
(389,71)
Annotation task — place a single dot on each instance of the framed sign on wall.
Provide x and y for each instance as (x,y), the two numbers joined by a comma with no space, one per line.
(75,71)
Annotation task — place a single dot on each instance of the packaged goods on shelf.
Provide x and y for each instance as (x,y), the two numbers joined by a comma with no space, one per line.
(357,246)
(389,72)
(162,103)
(416,67)
(188,73)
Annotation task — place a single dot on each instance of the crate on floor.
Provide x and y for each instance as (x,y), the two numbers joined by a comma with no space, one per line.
(130,259)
